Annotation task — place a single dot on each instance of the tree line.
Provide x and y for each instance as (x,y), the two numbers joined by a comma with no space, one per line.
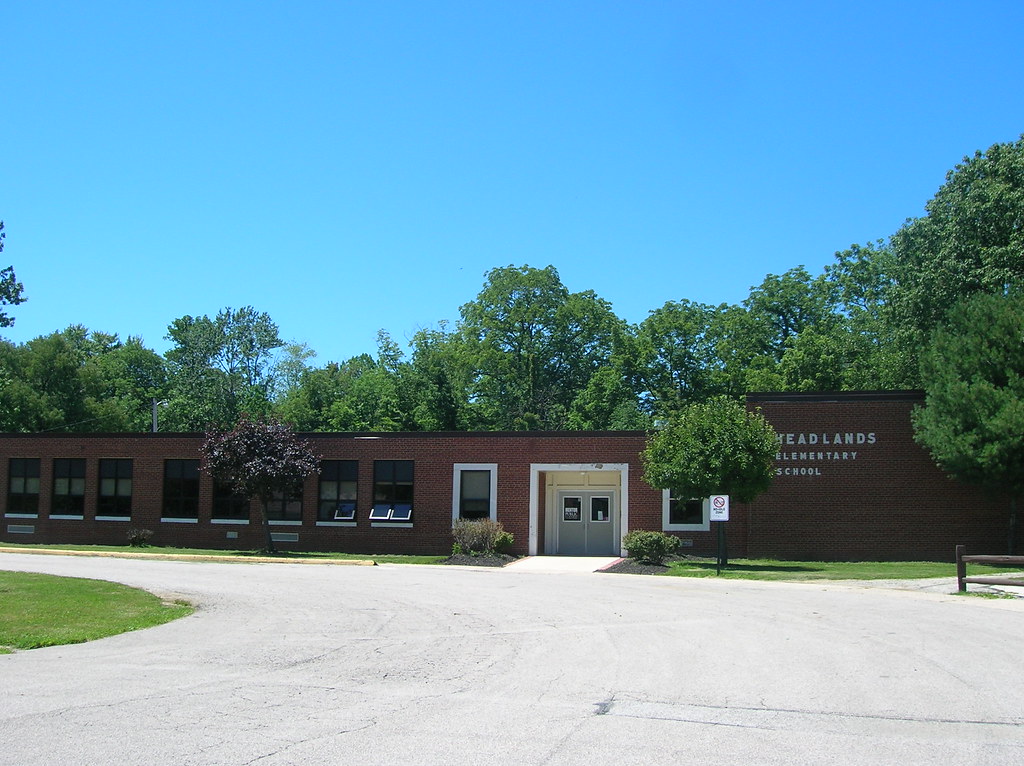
(528,353)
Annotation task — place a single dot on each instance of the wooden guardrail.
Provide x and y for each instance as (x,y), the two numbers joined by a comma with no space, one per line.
(962,560)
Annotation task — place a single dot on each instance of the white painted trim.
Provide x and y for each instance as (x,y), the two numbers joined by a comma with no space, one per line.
(284,523)
(336,524)
(113,518)
(457,470)
(21,515)
(178,520)
(67,517)
(537,468)
(704,526)
(390,525)
(229,521)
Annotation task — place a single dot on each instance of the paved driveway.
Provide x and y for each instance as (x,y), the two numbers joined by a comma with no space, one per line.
(298,664)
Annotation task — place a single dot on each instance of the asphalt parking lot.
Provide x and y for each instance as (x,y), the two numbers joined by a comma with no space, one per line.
(298,664)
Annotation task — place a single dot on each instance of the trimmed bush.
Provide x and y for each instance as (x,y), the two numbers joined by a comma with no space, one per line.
(480,536)
(649,547)
(139,538)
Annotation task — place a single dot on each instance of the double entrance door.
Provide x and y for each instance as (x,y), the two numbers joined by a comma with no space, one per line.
(586,522)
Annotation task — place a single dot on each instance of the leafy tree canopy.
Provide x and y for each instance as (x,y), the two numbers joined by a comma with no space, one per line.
(258,457)
(971,240)
(712,447)
(533,346)
(10,288)
(973,418)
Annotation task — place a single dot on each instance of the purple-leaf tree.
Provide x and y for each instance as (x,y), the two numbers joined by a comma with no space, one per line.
(258,457)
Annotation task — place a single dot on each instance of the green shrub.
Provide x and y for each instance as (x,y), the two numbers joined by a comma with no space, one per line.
(649,547)
(479,536)
(503,541)
(139,538)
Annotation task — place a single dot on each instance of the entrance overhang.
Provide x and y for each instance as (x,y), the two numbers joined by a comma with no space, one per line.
(537,512)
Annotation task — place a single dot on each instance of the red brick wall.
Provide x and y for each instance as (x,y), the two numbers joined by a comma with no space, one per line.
(433,455)
(879,498)
(888,501)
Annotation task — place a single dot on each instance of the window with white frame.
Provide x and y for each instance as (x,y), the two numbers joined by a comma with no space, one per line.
(684,514)
(475,491)
(181,489)
(286,506)
(392,490)
(23,486)
(115,497)
(338,490)
(68,497)
(228,505)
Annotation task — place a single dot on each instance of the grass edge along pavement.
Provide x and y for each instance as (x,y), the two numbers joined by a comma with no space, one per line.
(39,610)
(796,571)
(219,556)
(677,566)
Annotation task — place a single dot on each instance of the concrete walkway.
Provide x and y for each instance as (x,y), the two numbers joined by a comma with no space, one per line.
(561,564)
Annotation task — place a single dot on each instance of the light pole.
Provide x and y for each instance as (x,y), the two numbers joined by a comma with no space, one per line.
(155,403)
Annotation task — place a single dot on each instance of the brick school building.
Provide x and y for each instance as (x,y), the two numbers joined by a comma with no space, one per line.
(850,484)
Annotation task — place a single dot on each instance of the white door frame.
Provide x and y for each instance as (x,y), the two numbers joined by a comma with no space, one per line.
(536,469)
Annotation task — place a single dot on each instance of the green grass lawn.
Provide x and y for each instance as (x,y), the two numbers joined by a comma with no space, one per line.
(766,569)
(234,555)
(45,610)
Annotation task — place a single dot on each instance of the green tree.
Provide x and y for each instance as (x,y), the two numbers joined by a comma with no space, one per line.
(973,418)
(712,447)
(786,305)
(75,380)
(258,458)
(534,346)
(10,288)
(861,278)
(131,375)
(288,369)
(441,371)
(970,240)
(608,403)
(220,367)
(673,359)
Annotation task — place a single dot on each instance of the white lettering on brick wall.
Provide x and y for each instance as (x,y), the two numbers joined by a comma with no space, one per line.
(830,448)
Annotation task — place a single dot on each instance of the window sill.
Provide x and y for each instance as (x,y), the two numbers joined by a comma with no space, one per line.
(283,523)
(113,518)
(336,524)
(67,517)
(21,515)
(177,520)
(229,521)
(391,524)
(706,527)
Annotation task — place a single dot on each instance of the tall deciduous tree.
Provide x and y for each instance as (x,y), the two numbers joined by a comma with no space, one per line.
(441,372)
(77,380)
(534,346)
(973,418)
(10,288)
(259,457)
(971,240)
(712,447)
(673,357)
(220,367)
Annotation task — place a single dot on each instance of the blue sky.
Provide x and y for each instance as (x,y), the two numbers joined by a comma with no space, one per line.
(352,166)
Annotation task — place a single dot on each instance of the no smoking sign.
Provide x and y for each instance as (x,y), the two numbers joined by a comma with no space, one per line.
(719,508)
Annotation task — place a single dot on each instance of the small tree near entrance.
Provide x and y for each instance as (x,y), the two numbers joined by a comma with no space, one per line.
(258,458)
(715,447)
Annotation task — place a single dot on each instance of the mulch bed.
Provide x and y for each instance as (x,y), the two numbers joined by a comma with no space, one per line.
(631,566)
(481,560)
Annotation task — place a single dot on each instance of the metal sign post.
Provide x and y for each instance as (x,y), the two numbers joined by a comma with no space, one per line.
(720,515)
